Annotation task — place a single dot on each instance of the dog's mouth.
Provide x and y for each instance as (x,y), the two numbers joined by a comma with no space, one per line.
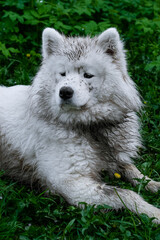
(70,106)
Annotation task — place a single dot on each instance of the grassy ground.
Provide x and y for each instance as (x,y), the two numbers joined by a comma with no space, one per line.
(26,214)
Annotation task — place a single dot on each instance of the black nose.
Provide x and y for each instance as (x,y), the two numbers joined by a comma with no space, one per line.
(66,93)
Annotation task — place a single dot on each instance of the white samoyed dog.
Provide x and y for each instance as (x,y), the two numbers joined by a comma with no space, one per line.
(77,118)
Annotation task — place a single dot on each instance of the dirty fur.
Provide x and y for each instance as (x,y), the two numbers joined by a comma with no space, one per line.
(76,119)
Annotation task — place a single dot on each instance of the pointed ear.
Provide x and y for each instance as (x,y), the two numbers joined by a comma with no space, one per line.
(51,42)
(109,40)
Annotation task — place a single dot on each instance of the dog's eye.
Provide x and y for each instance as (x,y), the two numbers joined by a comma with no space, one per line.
(63,74)
(88,75)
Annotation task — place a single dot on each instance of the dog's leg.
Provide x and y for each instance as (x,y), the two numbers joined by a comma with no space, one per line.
(85,189)
(131,173)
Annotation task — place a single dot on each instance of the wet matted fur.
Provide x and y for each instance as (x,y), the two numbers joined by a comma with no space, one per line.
(77,118)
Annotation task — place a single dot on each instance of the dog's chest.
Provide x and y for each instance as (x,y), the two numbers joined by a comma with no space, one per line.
(69,152)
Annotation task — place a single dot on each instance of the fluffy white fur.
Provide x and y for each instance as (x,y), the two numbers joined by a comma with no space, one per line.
(77,118)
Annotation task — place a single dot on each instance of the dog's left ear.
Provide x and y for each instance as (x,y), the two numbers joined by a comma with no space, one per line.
(110,41)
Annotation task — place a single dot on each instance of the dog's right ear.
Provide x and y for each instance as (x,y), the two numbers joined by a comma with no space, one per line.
(51,42)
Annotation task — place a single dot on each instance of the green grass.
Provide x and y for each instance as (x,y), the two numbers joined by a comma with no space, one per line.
(26,213)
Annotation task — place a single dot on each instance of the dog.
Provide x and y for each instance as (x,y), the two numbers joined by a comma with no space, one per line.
(77,118)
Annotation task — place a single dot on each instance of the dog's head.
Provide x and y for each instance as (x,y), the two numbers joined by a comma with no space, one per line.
(84,79)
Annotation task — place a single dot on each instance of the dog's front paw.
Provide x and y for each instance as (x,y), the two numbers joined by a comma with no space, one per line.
(153,186)
(157,218)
